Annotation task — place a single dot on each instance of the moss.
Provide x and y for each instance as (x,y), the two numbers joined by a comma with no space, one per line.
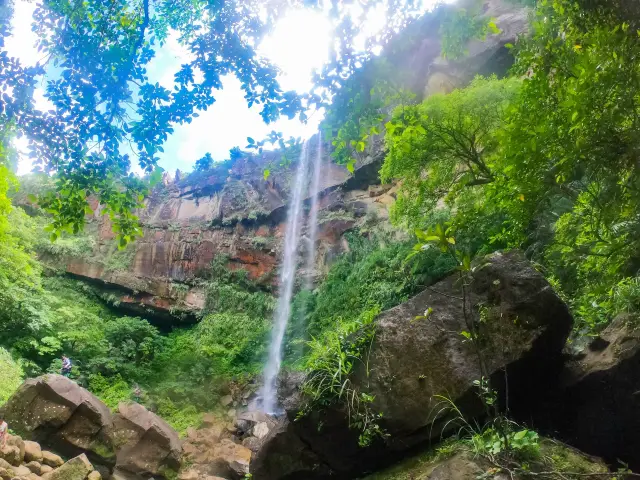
(260,242)
(168,473)
(11,375)
(554,456)
(414,467)
(326,216)
(118,260)
(103,450)
(566,459)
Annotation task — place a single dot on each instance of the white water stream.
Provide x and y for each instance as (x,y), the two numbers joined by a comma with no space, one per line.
(287,281)
(312,224)
(293,235)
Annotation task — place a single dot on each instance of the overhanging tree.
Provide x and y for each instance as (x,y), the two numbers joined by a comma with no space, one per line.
(108,112)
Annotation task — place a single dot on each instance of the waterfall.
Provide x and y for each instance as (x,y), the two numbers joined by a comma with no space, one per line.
(287,280)
(312,224)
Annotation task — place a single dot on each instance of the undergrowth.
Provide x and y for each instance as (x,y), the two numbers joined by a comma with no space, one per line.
(11,375)
(332,361)
(372,273)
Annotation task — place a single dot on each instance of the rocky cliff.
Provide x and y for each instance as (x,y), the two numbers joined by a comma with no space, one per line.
(232,210)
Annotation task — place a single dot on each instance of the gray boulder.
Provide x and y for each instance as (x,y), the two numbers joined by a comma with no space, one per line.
(524,325)
(146,444)
(597,405)
(60,414)
(57,412)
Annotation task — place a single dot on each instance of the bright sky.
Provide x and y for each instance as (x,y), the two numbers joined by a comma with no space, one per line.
(298,45)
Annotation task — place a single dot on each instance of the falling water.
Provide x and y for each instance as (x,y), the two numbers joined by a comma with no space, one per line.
(287,281)
(312,224)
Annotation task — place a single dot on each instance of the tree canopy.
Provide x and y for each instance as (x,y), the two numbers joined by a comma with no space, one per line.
(109,113)
(545,160)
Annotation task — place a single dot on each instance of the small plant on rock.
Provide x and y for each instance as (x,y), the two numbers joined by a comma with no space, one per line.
(331,363)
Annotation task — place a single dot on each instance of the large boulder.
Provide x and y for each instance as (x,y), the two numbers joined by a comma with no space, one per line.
(217,450)
(10,454)
(21,471)
(60,414)
(146,444)
(57,412)
(597,407)
(523,324)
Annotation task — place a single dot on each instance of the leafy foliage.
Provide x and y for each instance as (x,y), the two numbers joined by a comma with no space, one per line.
(11,375)
(22,311)
(236,342)
(356,117)
(111,391)
(554,171)
(332,360)
(230,290)
(372,274)
(204,163)
(460,25)
(446,146)
(107,110)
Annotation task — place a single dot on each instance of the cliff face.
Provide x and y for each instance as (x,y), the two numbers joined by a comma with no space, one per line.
(187,224)
(232,210)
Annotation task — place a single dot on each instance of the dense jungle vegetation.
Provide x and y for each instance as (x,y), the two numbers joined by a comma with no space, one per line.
(544,159)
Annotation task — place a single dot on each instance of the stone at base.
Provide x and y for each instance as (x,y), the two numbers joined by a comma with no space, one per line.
(75,469)
(94,476)
(51,459)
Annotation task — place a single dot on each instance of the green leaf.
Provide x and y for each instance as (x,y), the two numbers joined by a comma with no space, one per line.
(520,435)
(351,166)
(266,173)
(32,198)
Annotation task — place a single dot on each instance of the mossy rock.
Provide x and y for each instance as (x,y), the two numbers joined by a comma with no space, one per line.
(456,461)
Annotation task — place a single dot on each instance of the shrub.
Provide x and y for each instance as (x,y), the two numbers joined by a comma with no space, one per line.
(234,342)
(11,375)
(111,390)
(372,274)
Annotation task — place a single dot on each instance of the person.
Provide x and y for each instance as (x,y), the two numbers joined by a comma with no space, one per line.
(4,433)
(66,366)
(137,393)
